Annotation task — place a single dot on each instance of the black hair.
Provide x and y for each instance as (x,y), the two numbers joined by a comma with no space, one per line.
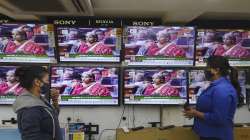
(221,63)
(76,76)
(6,33)
(148,79)
(81,36)
(152,37)
(27,74)
(218,38)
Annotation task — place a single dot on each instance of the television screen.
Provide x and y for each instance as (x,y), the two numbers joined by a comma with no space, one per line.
(9,85)
(89,44)
(159,45)
(234,44)
(198,83)
(155,86)
(33,43)
(86,85)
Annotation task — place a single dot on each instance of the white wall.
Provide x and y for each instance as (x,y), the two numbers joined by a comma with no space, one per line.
(106,117)
(174,116)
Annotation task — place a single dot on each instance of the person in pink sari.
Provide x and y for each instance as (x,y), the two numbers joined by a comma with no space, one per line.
(231,49)
(160,87)
(22,45)
(90,86)
(11,86)
(168,47)
(94,46)
(147,43)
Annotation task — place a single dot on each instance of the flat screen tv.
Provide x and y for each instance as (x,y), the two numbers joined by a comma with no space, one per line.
(86,85)
(89,44)
(9,85)
(159,45)
(31,43)
(155,86)
(231,43)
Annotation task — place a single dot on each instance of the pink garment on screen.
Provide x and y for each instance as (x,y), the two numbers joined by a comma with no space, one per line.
(235,52)
(99,49)
(77,89)
(29,48)
(166,90)
(102,49)
(169,91)
(149,90)
(96,90)
(174,51)
(152,49)
(83,48)
(4,89)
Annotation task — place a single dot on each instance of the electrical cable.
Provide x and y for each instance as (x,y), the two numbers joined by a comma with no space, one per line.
(122,114)
(123,111)
(100,136)
(133,107)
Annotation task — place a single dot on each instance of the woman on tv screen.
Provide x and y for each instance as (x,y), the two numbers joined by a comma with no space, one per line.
(89,86)
(231,48)
(22,45)
(161,86)
(94,46)
(10,86)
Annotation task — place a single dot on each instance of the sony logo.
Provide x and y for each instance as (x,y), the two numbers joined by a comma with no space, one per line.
(104,21)
(65,22)
(4,21)
(142,23)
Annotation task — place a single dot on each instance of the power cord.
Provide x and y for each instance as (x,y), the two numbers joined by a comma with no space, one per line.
(100,136)
(119,124)
(123,111)
(133,107)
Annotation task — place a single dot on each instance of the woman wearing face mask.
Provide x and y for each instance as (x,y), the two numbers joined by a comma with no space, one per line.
(215,109)
(37,118)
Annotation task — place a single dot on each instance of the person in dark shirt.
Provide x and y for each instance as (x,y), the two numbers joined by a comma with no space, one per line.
(215,108)
(37,118)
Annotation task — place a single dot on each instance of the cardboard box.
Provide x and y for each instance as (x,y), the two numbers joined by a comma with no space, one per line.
(177,133)
(144,134)
(242,133)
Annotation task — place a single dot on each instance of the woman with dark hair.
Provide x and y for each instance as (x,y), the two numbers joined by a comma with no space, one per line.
(37,118)
(215,109)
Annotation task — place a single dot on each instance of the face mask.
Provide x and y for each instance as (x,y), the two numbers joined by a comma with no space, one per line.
(45,89)
(208,75)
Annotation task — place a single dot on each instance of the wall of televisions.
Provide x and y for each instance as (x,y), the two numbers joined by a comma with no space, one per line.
(104,61)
